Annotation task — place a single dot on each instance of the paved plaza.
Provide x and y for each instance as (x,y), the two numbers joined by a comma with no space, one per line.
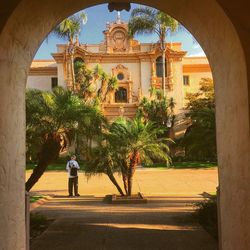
(147,181)
(164,223)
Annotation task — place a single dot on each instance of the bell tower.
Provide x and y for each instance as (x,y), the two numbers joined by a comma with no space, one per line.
(116,38)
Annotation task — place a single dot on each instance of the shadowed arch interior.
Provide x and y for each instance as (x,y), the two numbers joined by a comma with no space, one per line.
(21,36)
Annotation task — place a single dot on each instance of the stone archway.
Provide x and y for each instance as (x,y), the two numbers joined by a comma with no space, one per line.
(25,23)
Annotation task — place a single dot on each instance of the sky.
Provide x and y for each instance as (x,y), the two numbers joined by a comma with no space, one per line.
(91,33)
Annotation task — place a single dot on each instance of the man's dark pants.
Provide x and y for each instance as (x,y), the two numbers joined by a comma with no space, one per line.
(73,182)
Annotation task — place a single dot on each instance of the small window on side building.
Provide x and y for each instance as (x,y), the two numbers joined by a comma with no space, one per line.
(54,82)
(186,80)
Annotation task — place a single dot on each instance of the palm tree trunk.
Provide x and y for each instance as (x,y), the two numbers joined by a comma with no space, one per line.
(133,162)
(113,180)
(125,182)
(124,171)
(130,179)
(36,174)
(163,72)
(49,152)
(72,71)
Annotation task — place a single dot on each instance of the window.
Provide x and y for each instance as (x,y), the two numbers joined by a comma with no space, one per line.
(54,82)
(186,80)
(120,76)
(121,95)
(159,68)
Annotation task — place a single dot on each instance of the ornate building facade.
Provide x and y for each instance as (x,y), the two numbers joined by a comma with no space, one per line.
(137,66)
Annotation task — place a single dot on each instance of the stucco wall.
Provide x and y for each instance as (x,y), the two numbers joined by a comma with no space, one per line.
(60,75)
(133,68)
(145,78)
(194,81)
(177,92)
(39,82)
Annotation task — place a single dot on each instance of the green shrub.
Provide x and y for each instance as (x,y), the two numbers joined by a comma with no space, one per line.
(206,214)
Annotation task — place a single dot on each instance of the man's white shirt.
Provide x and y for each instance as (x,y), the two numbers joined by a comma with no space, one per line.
(72,163)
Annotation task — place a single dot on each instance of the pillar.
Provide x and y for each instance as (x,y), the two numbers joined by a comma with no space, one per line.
(12,154)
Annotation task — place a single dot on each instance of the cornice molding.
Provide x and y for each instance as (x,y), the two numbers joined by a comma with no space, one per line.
(196,68)
(43,71)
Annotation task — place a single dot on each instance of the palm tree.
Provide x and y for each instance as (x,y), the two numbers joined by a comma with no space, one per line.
(104,161)
(50,118)
(146,20)
(134,141)
(89,133)
(70,29)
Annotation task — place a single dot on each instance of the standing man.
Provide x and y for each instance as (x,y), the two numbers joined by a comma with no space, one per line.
(72,167)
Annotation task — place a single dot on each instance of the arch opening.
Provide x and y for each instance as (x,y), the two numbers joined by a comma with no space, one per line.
(229,69)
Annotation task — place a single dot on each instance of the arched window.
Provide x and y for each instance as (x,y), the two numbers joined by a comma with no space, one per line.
(121,95)
(159,70)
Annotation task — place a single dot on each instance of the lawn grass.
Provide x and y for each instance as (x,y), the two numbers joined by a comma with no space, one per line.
(195,165)
(35,198)
(53,167)
(183,165)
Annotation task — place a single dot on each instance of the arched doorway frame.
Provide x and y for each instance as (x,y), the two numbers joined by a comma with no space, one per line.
(22,35)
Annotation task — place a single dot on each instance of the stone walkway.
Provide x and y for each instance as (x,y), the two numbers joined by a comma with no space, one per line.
(148,181)
(86,223)
(165,223)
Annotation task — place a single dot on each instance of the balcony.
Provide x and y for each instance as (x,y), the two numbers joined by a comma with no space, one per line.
(157,82)
(114,110)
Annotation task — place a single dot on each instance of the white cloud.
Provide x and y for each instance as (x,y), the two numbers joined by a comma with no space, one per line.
(200,53)
(196,46)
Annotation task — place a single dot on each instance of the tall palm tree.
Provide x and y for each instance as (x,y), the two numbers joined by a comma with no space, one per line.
(50,118)
(134,141)
(146,20)
(70,29)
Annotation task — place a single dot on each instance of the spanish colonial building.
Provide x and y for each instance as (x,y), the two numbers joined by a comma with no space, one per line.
(137,66)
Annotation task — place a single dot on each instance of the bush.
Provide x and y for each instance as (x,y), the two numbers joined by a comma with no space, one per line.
(206,214)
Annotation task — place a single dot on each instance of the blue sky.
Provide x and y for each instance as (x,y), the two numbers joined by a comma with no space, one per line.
(98,16)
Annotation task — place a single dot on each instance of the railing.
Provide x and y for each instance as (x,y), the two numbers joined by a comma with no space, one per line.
(113,110)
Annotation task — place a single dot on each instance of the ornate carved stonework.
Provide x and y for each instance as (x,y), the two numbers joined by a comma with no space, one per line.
(121,69)
(124,78)
(119,40)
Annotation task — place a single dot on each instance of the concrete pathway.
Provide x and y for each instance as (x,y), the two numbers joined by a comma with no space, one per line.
(148,181)
(86,223)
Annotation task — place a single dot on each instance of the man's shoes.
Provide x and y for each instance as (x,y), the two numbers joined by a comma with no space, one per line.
(77,195)
(70,195)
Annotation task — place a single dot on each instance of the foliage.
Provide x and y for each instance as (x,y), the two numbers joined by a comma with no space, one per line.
(87,133)
(146,20)
(206,213)
(51,119)
(183,165)
(125,144)
(94,84)
(35,198)
(70,27)
(200,138)
(159,110)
